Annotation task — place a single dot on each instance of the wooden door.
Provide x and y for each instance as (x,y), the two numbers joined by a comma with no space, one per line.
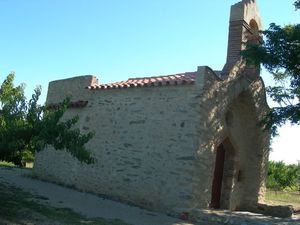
(218,178)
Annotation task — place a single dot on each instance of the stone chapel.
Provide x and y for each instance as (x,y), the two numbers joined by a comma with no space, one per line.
(186,140)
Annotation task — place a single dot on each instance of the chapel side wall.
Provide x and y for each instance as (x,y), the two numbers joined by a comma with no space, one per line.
(144,143)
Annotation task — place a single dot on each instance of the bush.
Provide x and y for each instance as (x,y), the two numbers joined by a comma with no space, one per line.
(282,176)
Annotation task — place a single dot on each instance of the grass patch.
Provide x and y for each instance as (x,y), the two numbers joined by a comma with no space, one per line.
(283,198)
(19,207)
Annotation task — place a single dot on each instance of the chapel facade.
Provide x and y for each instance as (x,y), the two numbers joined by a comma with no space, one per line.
(187,140)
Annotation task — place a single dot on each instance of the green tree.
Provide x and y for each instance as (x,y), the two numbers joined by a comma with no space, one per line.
(280,55)
(281,176)
(27,127)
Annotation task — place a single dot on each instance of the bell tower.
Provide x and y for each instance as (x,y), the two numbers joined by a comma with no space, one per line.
(244,23)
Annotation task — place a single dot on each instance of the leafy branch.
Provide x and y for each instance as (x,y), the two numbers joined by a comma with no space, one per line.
(27,127)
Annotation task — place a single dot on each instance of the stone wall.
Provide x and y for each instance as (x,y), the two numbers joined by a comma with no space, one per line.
(155,146)
(144,143)
(230,112)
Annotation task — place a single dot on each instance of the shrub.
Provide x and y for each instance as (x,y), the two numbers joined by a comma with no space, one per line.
(282,176)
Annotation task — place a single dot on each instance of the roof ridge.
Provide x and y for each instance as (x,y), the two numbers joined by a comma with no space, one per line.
(162,80)
(159,76)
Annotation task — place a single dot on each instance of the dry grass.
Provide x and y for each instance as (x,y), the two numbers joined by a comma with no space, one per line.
(284,198)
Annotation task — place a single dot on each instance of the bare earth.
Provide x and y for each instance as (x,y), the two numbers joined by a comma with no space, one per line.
(93,206)
(84,203)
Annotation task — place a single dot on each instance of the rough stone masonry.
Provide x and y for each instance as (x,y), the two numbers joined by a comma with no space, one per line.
(187,140)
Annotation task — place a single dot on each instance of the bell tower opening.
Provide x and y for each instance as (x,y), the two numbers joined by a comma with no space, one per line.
(254,27)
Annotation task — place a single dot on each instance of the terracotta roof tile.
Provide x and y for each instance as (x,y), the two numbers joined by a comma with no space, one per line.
(169,80)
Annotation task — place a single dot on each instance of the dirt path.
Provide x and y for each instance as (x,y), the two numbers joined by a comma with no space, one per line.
(92,206)
(86,204)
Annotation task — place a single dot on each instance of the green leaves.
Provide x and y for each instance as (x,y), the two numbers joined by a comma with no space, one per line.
(282,49)
(297,4)
(279,115)
(27,127)
(281,176)
(62,135)
(280,55)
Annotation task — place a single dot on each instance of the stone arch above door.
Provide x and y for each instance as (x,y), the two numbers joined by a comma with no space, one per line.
(251,146)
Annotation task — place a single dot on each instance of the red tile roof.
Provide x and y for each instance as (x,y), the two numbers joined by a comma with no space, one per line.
(169,80)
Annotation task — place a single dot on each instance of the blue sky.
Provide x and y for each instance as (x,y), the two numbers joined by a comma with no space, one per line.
(45,40)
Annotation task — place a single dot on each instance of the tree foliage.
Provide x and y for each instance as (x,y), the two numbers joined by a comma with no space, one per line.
(280,55)
(281,176)
(27,127)
(297,4)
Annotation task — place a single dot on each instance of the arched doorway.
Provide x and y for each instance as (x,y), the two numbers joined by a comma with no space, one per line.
(218,178)
(223,178)
(240,160)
